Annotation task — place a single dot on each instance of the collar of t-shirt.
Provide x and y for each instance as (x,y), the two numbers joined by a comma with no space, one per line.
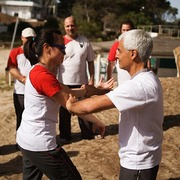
(140,71)
(66,40)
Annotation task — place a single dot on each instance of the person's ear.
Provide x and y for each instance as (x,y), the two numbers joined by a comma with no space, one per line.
(46,47)
(135,56)
(134,53)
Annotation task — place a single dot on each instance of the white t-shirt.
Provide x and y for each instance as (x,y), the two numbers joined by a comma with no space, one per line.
(73,70)
(140,101)
(18,60)
(37,131)
(122,75)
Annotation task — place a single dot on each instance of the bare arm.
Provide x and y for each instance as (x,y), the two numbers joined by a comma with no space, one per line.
(62,97)
(77,92)
(91,72)
(96,123)
(17,75)
(88,90)
(110,68)
(89,105)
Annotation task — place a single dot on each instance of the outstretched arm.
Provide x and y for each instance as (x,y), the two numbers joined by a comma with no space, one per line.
(88,105)
(88,90)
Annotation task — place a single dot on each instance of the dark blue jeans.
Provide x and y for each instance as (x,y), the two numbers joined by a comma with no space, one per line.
(55,164)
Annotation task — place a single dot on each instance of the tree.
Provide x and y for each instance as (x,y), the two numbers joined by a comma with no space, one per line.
(170,14)
(65,8)
(52,23)
(103,15)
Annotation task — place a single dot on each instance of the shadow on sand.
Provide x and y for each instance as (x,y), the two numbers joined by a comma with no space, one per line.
(8,149)
(13,166)
(171,121)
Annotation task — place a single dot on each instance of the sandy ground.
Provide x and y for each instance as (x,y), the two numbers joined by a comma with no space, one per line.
(95,159)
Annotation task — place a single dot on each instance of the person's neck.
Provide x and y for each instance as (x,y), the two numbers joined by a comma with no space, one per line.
(135,69)
(48,66)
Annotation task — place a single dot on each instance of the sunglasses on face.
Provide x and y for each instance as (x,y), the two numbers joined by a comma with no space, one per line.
(60,47)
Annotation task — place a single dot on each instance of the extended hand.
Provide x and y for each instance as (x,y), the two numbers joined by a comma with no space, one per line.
(105,85)
(90,90)
(70,101)
(100,127)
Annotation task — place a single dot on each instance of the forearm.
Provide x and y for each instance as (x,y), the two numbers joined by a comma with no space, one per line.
(91,80)
(110,68)
(91,91)
(80,107)
(17,75)
(97,124)
(90,118)
(77,92)
(86,91)
(91,72)
(89,105)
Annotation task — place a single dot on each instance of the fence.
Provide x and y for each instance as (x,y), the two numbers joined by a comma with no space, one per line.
(167,30)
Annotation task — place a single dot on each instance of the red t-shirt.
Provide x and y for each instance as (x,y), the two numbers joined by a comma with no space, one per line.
(44,81)
(66,40)
(112,52)
(12,60)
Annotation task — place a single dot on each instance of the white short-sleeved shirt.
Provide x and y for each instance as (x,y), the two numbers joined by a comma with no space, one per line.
(140,101)
(73,70)
(37,131)
(18,60)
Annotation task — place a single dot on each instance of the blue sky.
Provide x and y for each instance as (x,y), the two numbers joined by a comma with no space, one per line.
(176,4)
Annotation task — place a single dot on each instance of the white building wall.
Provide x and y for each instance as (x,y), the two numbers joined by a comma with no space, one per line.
(25,9)
(23,12)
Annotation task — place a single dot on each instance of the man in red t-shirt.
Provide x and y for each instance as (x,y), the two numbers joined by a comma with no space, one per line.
(18,66)
(125,26)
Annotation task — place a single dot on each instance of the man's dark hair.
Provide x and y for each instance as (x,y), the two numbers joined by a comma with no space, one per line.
(129,22)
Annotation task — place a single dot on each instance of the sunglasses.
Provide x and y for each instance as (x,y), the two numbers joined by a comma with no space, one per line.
(60,47)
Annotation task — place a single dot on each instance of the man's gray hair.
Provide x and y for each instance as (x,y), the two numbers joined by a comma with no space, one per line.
(139,40)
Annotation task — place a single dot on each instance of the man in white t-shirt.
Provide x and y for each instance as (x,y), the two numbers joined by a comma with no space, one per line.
(78,60)
(140,102)
(18,66)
